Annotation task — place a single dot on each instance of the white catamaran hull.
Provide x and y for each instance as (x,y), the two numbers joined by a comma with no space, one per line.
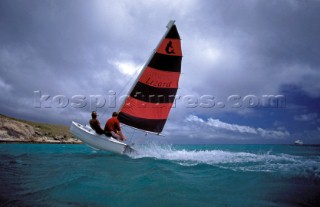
(101,142)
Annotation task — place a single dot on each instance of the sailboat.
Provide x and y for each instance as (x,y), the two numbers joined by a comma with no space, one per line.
(150,98)
(298,142)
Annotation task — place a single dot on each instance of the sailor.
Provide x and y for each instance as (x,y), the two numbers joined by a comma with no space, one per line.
(95,124)
(112,127)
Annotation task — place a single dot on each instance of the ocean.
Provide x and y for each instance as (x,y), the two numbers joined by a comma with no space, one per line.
(160,175)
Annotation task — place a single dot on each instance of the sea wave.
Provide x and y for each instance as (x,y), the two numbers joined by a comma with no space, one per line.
(268,161)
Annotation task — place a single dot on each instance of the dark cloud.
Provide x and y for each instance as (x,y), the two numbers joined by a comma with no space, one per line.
(271,43)
(90,47)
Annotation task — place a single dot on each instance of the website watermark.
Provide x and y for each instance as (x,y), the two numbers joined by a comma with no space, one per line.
(112,100)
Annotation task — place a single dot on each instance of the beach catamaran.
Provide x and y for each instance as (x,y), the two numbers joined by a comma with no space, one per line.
(149,100)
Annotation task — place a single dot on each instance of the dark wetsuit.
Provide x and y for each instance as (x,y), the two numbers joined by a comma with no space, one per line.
(95,125)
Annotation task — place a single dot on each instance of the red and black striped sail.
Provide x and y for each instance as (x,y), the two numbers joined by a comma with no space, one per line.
(149,102)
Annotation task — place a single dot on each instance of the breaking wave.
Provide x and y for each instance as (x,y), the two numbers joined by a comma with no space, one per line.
(237,161)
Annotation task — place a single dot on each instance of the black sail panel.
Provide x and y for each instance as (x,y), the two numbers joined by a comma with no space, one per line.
(151,98)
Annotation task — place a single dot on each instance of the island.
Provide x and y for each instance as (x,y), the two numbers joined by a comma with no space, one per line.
(16,130)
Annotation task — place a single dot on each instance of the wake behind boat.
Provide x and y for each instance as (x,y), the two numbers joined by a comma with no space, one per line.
(101,142)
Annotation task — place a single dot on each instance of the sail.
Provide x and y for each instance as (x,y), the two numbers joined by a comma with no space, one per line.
(150,100)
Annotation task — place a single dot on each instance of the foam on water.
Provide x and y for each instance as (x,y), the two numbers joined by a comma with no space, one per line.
(237,161)
(192,175)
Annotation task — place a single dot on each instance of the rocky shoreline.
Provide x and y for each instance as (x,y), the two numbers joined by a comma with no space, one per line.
(13,130)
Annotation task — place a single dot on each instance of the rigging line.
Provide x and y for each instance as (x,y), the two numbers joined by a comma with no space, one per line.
(132,132)
(129,141)
(138,68)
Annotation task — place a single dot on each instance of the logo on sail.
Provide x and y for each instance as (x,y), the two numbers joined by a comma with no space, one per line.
(169,48)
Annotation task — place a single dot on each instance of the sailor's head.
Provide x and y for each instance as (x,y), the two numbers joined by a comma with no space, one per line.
(94,115)
(115,114)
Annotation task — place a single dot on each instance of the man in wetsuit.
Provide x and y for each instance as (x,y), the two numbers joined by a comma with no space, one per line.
(95,124)
(112,127)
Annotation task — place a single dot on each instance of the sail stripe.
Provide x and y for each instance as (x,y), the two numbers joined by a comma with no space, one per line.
(159,78)
(151,94)
(173,33)
(151,98)
(141,109)
(170,47)
(166,62)
(152,125)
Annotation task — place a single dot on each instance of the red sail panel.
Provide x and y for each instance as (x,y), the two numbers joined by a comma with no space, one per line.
(170,47)
(151,98)
(160,79)
(141,109)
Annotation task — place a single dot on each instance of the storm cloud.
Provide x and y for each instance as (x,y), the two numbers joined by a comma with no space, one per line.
(91,48)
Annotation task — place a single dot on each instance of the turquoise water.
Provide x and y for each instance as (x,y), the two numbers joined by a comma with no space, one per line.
(206,175)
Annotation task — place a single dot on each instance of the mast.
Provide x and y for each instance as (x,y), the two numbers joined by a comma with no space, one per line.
(169,25)
(150,98)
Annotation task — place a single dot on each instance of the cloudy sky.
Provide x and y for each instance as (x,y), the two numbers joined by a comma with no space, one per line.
(250,68)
